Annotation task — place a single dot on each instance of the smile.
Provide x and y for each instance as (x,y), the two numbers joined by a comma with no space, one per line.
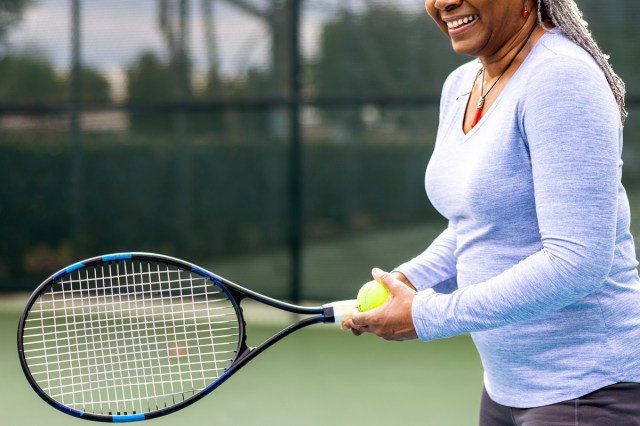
(459,22)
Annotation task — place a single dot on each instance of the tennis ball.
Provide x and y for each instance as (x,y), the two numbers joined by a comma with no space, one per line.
(372,295)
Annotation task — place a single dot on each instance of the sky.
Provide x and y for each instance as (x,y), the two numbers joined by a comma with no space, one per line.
(115,32)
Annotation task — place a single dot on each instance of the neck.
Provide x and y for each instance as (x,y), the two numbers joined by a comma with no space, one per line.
(496,63)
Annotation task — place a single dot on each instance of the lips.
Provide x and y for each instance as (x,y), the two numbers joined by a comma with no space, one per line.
(457,23)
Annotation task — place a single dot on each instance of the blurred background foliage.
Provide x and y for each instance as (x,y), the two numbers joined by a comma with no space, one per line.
(166,125)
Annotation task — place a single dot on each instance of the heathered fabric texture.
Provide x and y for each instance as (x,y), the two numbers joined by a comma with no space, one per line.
(538,240)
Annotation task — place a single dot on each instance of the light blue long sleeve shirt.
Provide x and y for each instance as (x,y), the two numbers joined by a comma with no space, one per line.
(538,240)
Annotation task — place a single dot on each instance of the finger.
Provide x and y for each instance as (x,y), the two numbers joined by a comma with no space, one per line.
(356,319)
(357,332)
(385,278)
(349,323)
(355,329)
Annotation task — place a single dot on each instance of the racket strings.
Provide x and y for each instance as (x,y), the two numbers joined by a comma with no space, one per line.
(129,336)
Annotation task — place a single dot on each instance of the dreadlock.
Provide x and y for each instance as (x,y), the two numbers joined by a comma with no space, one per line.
(566,16)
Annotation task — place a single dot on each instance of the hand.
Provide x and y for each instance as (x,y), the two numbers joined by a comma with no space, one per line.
(392,320)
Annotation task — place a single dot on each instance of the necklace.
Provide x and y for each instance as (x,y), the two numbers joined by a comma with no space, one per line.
(480,104)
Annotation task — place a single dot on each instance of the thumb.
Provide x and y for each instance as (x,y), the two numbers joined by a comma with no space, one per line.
(386,279)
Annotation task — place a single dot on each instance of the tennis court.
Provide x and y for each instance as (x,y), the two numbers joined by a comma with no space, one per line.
(317,373)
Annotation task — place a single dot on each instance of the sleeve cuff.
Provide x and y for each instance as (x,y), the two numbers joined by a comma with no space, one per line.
(413,275)
(419,311)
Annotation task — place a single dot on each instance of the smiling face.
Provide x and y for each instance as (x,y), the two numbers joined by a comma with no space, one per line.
(478,27)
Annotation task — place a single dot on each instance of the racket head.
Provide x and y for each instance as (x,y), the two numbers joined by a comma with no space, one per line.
(129,337)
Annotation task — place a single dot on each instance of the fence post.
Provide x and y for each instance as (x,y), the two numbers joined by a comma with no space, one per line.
(77,160)
(295,158)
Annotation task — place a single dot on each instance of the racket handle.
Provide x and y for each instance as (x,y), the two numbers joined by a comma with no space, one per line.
(339,311)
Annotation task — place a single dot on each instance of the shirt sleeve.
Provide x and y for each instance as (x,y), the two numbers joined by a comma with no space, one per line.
(571,124)
(436,266)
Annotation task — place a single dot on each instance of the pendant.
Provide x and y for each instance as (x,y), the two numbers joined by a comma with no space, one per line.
(479,108)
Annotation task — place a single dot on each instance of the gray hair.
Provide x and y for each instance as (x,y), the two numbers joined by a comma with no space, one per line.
(566,16)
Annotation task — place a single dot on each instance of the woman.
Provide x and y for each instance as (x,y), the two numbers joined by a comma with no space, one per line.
(527,170)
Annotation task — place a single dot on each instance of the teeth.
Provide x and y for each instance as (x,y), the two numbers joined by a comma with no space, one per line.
(462,21)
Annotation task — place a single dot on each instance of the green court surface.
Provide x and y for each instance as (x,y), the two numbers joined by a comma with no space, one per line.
(316,376)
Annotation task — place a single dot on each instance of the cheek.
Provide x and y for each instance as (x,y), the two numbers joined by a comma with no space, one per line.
(433,13)
(430,7)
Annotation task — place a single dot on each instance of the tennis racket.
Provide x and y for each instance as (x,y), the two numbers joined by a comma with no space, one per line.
(134,336)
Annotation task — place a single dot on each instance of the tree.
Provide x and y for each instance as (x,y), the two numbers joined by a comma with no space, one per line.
(384,52)
(381,51)
(29,78)
(11,12)
(95,87)
(150,80)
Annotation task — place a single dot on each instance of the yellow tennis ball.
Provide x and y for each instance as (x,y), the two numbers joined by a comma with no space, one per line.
(372,295)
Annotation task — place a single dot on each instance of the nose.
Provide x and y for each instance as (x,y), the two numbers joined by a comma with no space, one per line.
(447,5)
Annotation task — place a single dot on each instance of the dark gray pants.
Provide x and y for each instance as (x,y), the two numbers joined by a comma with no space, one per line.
(615,405)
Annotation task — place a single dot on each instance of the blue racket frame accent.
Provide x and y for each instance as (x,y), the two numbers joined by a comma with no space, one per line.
(117,256)
(128,418)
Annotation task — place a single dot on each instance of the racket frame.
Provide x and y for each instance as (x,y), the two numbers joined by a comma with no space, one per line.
(328,313)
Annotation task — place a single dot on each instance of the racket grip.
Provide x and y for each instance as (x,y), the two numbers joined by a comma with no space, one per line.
(339,311)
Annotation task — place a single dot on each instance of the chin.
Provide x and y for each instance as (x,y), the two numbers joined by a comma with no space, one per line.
(463,49)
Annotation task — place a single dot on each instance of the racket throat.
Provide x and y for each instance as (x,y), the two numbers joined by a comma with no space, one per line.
(246,355)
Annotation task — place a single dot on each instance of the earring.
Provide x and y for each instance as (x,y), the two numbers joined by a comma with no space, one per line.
(525,12)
